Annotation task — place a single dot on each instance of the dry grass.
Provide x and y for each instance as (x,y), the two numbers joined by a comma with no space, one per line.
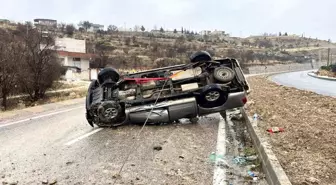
(20,103)
(326,73)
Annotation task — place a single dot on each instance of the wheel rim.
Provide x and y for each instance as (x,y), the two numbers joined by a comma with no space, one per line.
(111,113)
(212,96)
(222,73)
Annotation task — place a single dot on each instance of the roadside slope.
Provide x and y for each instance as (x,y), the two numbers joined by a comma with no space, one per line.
(307,148)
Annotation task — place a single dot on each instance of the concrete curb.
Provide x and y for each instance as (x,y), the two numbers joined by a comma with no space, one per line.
(312,74)
(275,175)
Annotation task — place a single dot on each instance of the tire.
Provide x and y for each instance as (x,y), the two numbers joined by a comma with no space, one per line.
(109,114)
(212,96)
(200,56)
(108,74)
(224,74)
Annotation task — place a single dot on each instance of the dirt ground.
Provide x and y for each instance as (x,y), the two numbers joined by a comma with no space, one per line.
(307,148)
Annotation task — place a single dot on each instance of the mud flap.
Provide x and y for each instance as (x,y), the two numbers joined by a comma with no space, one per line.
(89,119)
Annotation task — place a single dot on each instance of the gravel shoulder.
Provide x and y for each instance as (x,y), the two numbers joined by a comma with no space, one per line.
(307,148)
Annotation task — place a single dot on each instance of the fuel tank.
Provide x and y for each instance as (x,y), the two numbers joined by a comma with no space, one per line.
(167,111)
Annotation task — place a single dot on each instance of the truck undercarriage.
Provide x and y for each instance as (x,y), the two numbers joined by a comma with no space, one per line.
(166,94)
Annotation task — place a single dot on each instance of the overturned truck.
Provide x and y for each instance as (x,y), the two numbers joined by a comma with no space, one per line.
(167,94)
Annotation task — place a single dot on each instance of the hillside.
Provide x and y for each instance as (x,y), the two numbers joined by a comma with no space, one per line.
(143,49)
(156,49)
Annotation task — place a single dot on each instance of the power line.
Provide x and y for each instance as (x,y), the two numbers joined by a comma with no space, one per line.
(143,126)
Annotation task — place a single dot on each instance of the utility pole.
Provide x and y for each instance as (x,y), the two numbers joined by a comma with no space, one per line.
(328,57)
(320,56)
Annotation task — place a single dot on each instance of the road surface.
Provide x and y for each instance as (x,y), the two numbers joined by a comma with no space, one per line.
(59,145)
(53,143)
(302,80)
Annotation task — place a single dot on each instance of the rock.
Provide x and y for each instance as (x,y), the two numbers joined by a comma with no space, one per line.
(137,178)
(69,162)
(313,180)
(116,176)
(72,94)
(132,164)
(181,157)
(158,148)
(53,182)
(4,182)
(45,182)
(13,183)
(3,176)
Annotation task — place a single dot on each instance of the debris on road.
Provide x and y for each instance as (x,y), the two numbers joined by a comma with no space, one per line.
(255,117)
(213,157)
(53,182)
(69,162)
(251,158)
(45,182)
(157,148)
(239,160)
(116,176)
(275,130)
(313,180)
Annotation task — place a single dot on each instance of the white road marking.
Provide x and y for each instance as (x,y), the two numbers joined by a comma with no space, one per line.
(219,172)
(83,136)
(37,117)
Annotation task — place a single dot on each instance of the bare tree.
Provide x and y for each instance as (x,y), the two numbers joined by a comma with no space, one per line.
(134,39)
(70,29)
(85,24)
(136,28)
(11,55)
(101,51)
(61,26)
(143,28)
(127,41)
(112,28)
(40,65)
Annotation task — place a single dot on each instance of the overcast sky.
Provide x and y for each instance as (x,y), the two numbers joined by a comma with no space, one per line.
(315,18)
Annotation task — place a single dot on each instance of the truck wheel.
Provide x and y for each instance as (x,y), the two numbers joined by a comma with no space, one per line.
(224,74)
(109,114)
(200,56)
(108,74)
(212,96)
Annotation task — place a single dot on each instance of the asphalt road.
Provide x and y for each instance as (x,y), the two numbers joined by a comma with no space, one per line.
(60,146)
(302,81)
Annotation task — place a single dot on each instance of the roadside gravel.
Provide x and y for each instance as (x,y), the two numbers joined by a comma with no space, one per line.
(307,148)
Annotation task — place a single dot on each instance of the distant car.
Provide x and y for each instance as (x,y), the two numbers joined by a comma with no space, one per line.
(167,94)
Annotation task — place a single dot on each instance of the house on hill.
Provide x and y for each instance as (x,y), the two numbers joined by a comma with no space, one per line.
(73,57)
(45,23)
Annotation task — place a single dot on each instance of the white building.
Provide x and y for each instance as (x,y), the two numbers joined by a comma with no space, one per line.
(72,54)
(205,32)
(96,27)
(45,23)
